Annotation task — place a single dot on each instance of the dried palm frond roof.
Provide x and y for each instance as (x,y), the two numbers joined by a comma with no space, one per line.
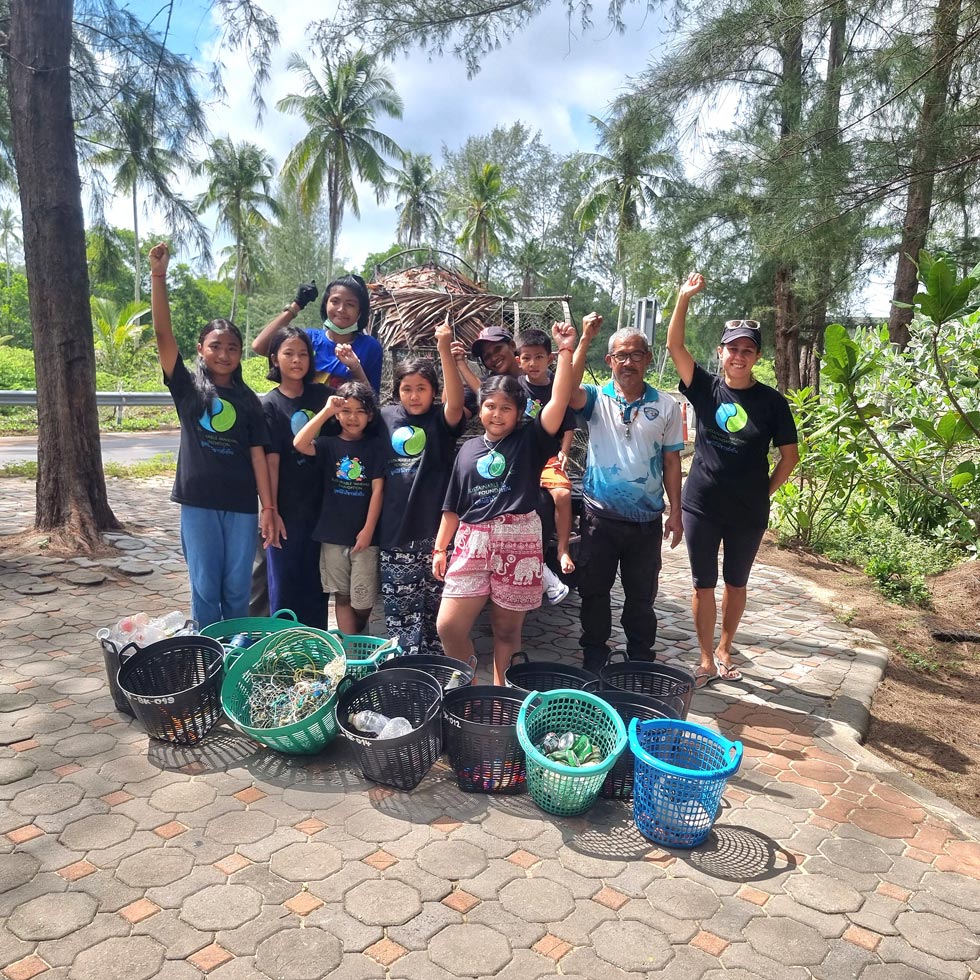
(409,304)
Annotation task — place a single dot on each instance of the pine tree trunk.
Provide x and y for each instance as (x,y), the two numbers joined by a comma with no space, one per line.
(918,203)
(71,491)
(787,330)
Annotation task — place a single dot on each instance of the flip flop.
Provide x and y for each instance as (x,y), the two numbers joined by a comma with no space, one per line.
(728,672)
(702,679)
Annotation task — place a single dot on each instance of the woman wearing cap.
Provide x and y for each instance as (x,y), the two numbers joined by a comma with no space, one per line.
(726,494)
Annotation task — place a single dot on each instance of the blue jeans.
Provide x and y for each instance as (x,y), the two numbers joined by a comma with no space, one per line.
(294,575)
(218,546)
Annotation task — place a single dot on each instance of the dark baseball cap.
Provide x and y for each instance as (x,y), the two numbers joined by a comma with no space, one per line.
(734,329)
(490,335)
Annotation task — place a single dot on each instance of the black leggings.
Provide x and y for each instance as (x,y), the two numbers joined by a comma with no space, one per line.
(704,537)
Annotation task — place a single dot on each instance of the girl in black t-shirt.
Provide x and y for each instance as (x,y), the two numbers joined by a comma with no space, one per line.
(726,495)
(490,508)
(421,435)
(293,569)
(221,465)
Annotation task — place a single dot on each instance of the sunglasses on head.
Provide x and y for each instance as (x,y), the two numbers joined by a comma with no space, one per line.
(732,324)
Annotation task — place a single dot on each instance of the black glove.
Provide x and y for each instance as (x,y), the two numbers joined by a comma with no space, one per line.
(306,292)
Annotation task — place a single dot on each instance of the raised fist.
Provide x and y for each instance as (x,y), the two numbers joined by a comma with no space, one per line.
(306,292)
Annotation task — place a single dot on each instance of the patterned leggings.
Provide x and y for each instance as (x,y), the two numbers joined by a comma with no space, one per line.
(411,597)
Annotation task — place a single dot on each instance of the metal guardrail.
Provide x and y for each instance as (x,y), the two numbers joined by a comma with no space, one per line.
(117,399)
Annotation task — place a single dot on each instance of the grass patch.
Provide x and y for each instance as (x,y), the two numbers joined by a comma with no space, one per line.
(160,465)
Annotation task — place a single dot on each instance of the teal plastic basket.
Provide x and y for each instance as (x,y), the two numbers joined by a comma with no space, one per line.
(366,653)
(680,774)
(253,628)
(568,790)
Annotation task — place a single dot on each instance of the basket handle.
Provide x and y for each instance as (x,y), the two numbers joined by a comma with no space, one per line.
(735,756)
(344,684)
(474,662)
(190,626)
(285,614)
(617,653)
(520,653)
(121,652)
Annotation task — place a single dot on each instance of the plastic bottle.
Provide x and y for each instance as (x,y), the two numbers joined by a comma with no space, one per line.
(369,721)
(455,680)
(395,728)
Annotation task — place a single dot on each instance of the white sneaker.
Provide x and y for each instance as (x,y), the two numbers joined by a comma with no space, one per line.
(555,589)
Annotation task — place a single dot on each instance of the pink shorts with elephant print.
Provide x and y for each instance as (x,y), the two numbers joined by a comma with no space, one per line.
(501,559)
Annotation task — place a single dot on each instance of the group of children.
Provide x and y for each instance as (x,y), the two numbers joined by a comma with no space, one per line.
(357,499)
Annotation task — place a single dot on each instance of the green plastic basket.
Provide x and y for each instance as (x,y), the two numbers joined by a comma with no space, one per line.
(365,653)
(300,648)
(567,790)
(254,628)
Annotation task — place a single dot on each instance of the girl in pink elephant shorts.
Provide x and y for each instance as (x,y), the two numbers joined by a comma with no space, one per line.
(491,510)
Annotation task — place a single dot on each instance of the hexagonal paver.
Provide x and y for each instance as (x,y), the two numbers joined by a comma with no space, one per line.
(376,827)
(83,746)
(824,894)
(52,916)
(382,903)
(17,869)
(683,899)
(632,946)
(307,861)
(97,832)
(242,827)
(955,889)
(51,798)
(786,941)
(133,958)
(221,907)
(182,797)
(156,867)
(14,770)
(300,954)
(937,936)
(470,951)
(537,900)
(856,855)
(452,860)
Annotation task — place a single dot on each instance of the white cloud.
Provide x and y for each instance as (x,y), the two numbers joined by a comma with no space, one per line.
(550,77)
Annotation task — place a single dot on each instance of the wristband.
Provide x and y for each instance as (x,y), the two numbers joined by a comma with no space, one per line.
(158,275)
(289,309)
(269,507)
(439,551)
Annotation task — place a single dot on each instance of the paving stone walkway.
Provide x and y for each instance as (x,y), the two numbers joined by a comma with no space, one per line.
(130,859)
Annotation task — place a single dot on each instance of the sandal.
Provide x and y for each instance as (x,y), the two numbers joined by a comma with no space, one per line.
(702,678)
(728,672)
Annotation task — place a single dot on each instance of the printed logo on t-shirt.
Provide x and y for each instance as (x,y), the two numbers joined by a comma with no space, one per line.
(533,408)
(350,469)
(731,417)
(220,418)
(408,440)
(650,412)
(492,465)
(298,419)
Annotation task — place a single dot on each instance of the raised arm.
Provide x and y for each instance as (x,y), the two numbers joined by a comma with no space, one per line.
(452,382)
(466,372)
(676,347)
(553,414)
(303,443)
(163,329)
(591,325)
(306,292)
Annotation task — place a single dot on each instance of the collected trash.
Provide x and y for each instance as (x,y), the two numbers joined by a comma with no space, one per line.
(143,630)
(379,725)
(570,749)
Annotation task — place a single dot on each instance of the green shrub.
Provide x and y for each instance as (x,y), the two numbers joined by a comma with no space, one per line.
(16,369)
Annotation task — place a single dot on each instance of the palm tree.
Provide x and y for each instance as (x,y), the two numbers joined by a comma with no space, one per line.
(421,199)
(9,235)
(487,210)
(144,141)
(342,143)
(240,185)
(121,343)
(628,179)
(530,259)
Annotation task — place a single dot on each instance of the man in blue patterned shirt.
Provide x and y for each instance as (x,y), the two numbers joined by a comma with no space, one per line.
(635,439)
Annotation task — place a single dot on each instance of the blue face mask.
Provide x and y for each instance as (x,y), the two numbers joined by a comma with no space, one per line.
(328,324)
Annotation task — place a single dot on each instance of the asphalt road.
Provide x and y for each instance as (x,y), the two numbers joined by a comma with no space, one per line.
(117,447)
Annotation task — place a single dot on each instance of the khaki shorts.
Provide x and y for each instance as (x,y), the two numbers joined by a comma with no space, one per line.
(356,575)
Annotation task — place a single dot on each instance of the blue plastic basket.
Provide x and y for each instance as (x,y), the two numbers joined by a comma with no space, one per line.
(680,773)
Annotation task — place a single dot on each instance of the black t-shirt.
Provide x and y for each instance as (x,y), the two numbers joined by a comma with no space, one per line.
(300,485)
(420,458)
(347,469)
(537,397)
(214,465)
(499,478)
(729,478)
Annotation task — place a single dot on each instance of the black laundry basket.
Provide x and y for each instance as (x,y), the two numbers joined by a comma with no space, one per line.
(480,726)
(618,784)
(548,675)
(654,679)
(113,656)
(174,687)
(440,667)
(401,762)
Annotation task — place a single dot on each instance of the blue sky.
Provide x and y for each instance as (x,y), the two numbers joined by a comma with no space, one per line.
(551,77)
